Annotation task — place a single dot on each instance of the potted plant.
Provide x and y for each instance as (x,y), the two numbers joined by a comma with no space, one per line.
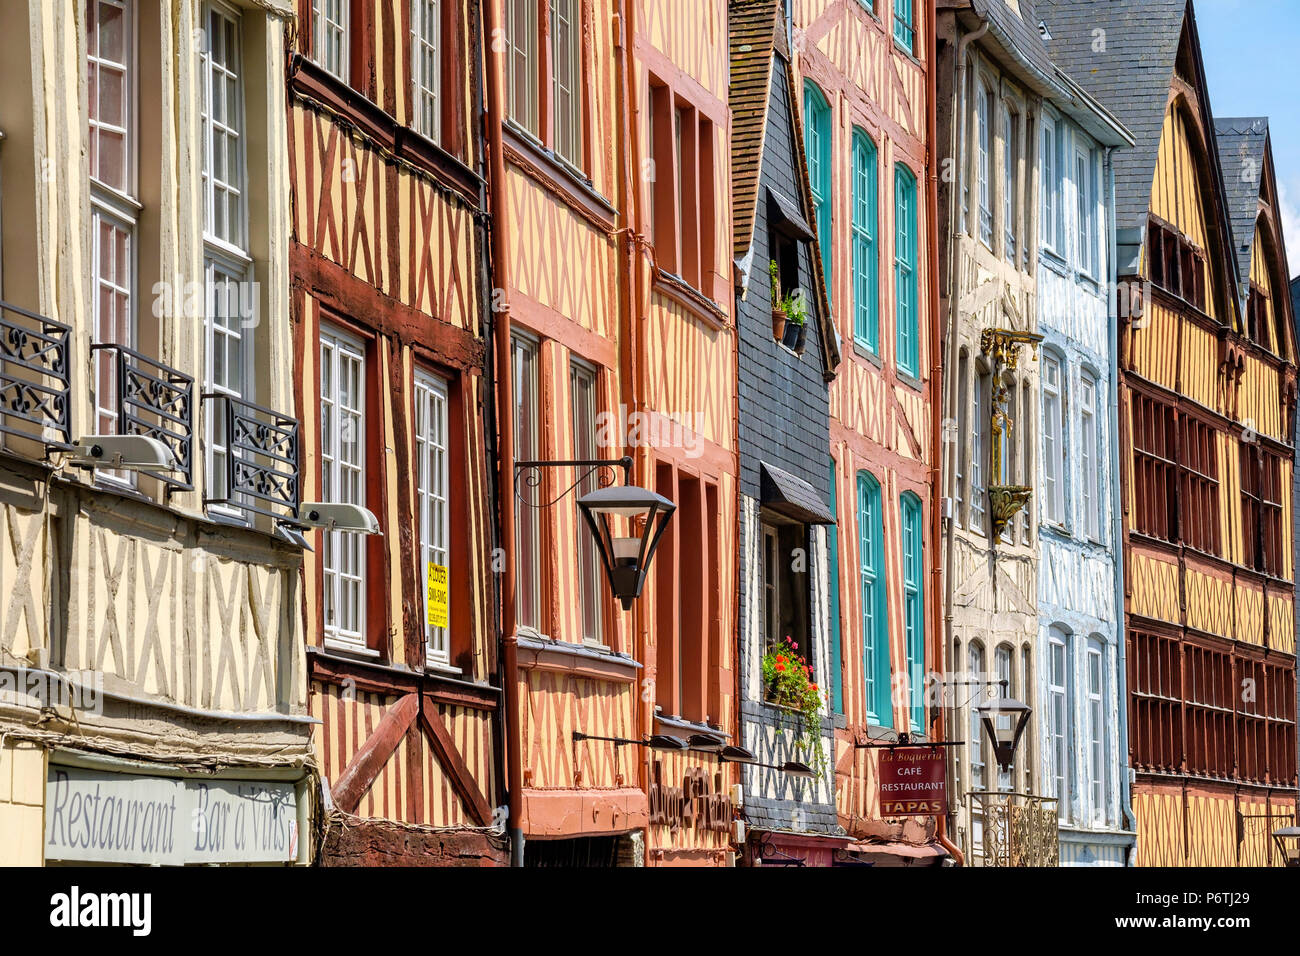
(789,312)
(787,679)
(778,311)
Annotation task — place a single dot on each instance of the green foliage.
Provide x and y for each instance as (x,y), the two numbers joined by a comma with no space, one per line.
(793,305)
(788,679)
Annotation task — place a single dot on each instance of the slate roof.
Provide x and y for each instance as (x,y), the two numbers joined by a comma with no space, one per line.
(1131,76)
(1243,143)
(753,37)
(752,32)
(792,496)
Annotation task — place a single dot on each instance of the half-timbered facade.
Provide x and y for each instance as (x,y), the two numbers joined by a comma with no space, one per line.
(390,317)
(863,77)
(787,354)
(614,338)
(1207,373)
(1080,730)
(999,91)
(153,705)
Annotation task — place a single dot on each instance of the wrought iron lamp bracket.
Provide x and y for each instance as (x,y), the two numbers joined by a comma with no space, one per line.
(528,474)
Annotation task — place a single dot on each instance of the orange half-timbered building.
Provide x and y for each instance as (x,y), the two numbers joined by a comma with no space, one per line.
(865,90)
(1207,366)
(389,310)
(608,133)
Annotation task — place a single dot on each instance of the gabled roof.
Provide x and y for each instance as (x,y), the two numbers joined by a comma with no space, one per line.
(1243,142)
(1131,76)
(753,39)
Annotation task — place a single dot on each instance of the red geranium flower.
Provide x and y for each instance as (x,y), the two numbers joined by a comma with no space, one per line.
(780,667)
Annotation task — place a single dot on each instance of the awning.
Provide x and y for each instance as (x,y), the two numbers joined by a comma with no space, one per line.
(791,496)
(784,216)
(909,850)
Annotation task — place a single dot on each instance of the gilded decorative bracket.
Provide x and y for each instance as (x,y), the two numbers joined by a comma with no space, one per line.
(1002,346)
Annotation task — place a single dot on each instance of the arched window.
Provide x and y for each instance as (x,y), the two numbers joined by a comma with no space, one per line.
(817,143)
(908,333)
(1098,756)
(914,604)
(1053,386)
(983,119)
(1002,669)
(1059,708)
(866,314)
(975,672)
(875,620)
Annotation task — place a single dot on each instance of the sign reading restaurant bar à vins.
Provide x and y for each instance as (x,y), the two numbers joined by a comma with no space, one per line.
(95,815)
(913,782)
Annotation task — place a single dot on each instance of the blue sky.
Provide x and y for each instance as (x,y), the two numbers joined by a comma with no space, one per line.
(1252,63)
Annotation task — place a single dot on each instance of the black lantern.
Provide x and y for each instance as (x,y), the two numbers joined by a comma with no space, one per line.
(1290,854)
(1004,734)
(627,523)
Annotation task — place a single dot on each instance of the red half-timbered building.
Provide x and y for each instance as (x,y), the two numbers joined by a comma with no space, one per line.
(389,306)
(613,336)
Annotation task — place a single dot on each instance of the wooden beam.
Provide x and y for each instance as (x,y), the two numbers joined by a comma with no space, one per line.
(462,781)
(373,754)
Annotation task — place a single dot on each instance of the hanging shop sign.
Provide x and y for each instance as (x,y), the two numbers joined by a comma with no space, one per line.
(698,803)
(913,782)
(105,817)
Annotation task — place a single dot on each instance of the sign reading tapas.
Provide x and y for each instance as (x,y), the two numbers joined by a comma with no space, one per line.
(913,782)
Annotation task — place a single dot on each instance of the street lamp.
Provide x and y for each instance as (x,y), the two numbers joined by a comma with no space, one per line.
(1290,854)
(1004,735)
(626,522)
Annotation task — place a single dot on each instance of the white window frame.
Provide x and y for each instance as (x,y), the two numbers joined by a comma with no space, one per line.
(226,253)
(1098,749)
(983,163)
(1009,150)
(330,32)
(343,555)
(566,84)
(426,68)
(1051,183)
(1059,705)
(1085,214)
(590,568)
(979,427)
(1089,480)
(1053,389)
(522,58)
(528,567)
(1004,667)
(433,501)
(979,769)
(118,209)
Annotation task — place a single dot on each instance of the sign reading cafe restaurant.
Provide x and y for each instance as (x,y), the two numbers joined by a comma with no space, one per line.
(99,816)
(913,782)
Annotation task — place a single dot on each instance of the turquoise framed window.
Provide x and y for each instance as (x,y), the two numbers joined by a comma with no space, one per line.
(866,314)
(909,337)
(875,619)
(817,142)
(914,605)
(837,688)
(904,28)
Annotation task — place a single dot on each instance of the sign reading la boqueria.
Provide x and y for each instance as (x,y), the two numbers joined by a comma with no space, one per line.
(913,782)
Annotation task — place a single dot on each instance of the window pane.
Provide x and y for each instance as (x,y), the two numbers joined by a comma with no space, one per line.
(566,70)
(527,527)
(223,133)
(330,35)
(426,66)
(342,479)
(432,502)
(582,387)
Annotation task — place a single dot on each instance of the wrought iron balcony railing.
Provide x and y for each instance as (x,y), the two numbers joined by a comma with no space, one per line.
(1017,829)
(156,401)
(257,468)
(34,379)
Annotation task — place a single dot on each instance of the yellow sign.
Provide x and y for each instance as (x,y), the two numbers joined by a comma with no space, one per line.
(437,578)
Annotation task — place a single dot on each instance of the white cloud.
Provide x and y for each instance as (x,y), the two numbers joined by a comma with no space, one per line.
(1288,200)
